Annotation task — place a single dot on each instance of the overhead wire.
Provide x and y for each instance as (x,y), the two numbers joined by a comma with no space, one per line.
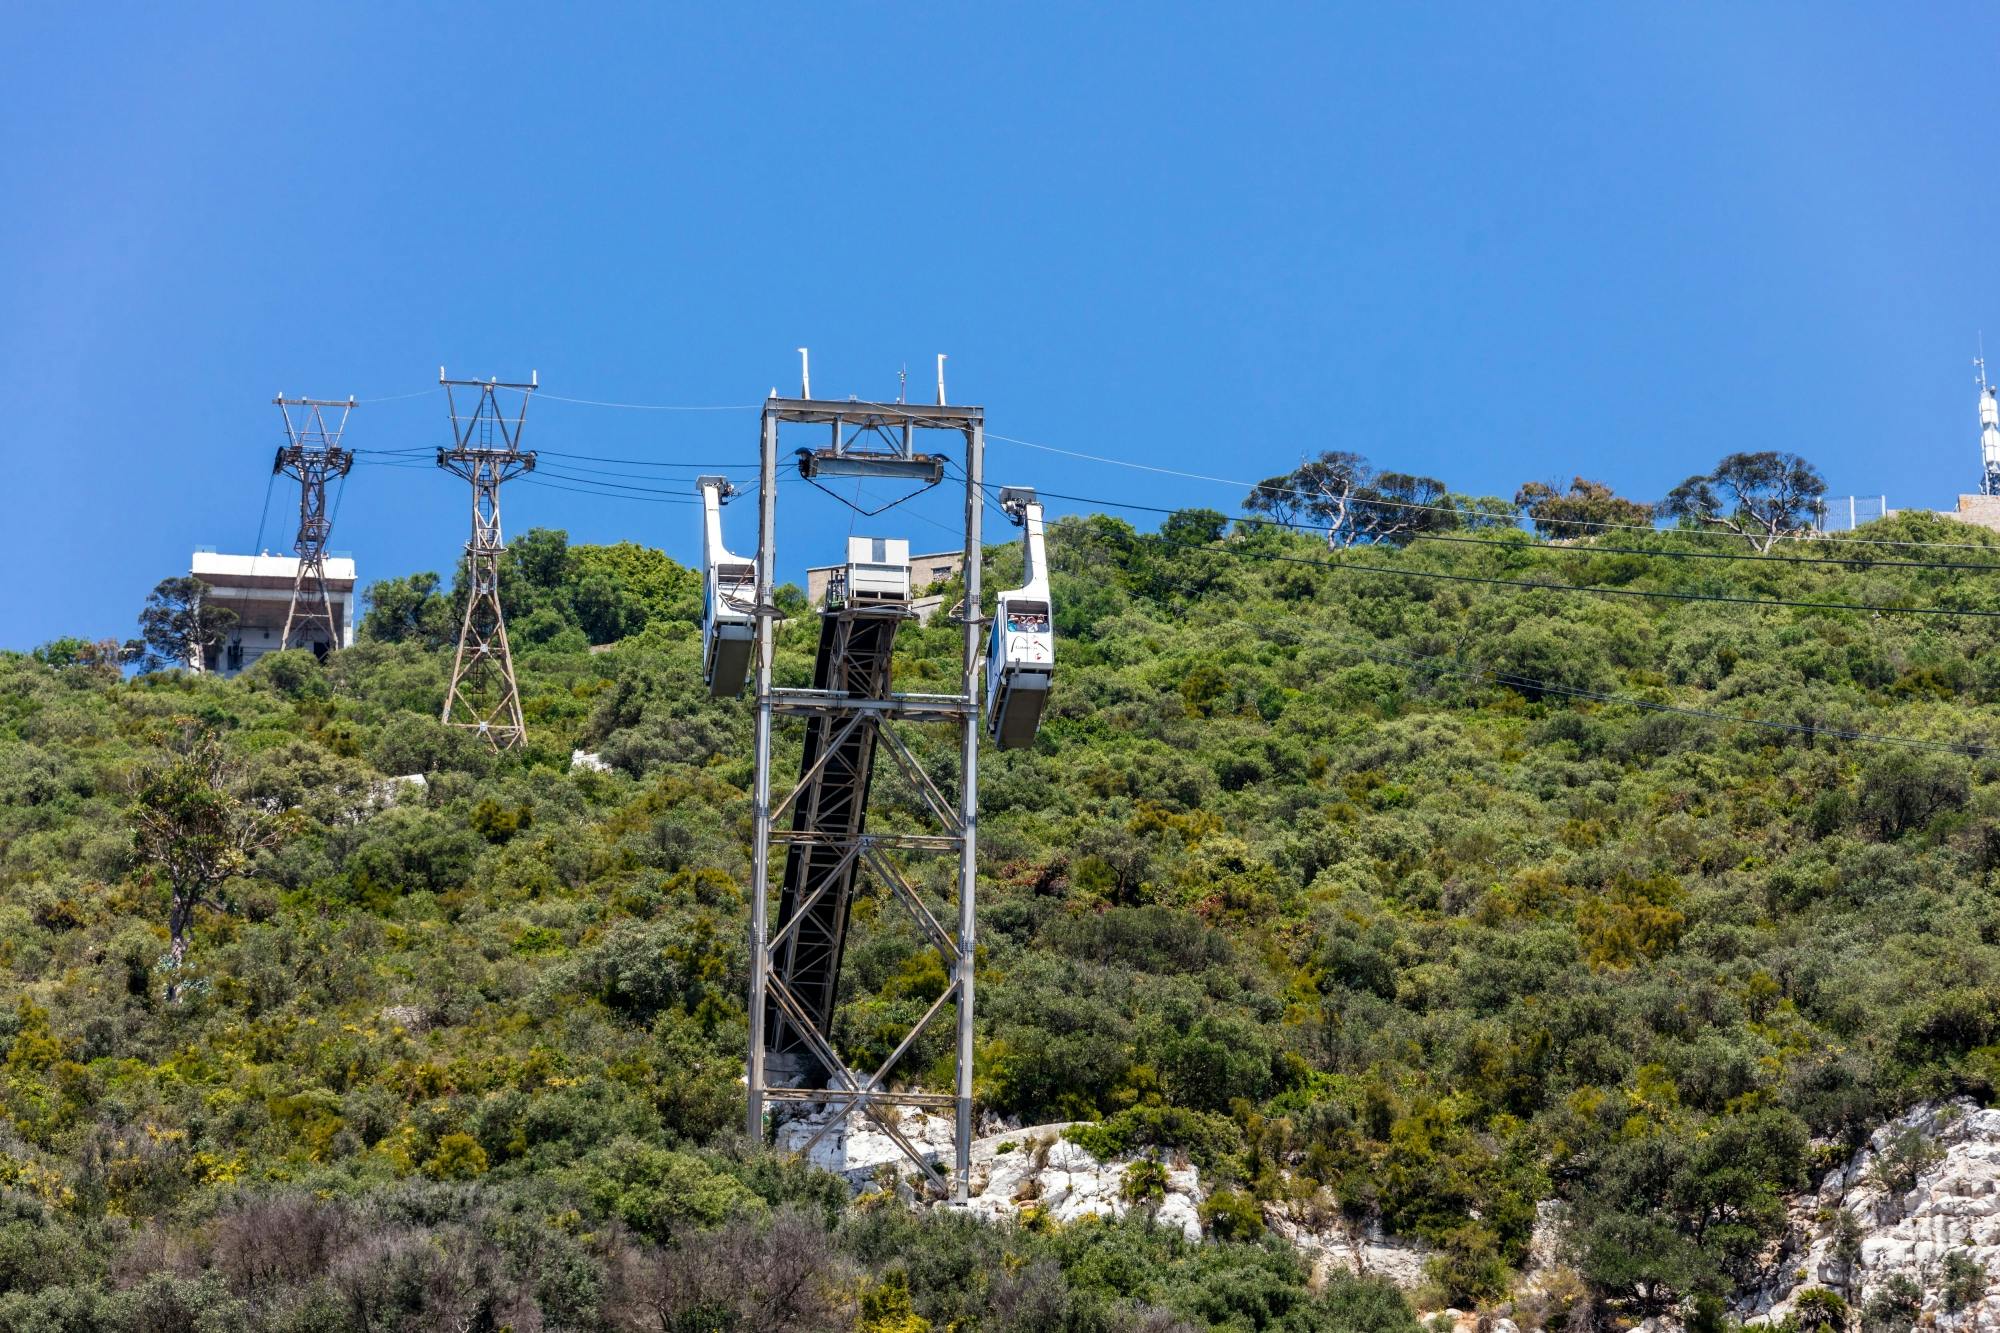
(264,515)
(530,480)
(649,407)
(398,397)
(618,490)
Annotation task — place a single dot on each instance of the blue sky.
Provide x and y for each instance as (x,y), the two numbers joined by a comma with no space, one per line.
(1492,243)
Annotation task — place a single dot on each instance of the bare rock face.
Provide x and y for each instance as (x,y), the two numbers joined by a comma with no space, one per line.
(1041,1170)
(1014,1171)
(1914,1216)
(1335,1244)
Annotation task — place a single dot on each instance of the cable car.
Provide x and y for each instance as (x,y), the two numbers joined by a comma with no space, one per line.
(1022,659)
(728,599)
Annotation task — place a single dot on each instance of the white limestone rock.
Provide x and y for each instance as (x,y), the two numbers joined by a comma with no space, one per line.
(1953,1207)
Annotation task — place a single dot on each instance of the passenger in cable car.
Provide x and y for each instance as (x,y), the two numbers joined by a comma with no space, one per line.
(1027,622)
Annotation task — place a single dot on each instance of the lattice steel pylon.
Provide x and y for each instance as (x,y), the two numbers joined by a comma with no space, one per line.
(792,1059)
(486,451)
(312,454)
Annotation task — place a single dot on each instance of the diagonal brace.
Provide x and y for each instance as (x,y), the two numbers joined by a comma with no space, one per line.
(906,894)
(921,780)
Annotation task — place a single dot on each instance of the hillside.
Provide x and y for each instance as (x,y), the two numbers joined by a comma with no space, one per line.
(1351,887)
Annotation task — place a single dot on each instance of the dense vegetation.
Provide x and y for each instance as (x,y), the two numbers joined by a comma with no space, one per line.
(1350,886)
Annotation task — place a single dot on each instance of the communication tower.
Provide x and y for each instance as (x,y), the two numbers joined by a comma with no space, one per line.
(486,451)
(311,454)
(1989,433)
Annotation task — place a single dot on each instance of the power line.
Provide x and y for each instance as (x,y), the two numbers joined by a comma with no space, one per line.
(607,495)
(264,515)
(648,462)
(615,485)
(399,397)
(655,407)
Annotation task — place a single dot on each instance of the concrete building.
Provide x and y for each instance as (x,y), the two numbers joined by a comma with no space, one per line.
(925,570)
(258,588)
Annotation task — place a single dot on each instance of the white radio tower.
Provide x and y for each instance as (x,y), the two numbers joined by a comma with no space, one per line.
(1989,432)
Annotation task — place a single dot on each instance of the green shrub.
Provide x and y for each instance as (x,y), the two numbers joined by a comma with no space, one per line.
(1232,1215)
(1208,1140)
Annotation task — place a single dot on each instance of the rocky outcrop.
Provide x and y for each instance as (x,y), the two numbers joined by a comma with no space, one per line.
(1015,1172)
(1335,1244)
(1918,1205)
(1915,1213)
(1039,1170)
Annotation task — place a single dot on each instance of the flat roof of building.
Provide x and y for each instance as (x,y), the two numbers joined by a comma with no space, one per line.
(212,564)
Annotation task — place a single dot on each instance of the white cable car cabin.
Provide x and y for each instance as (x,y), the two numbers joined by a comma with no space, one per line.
(728,599)
(1023,654)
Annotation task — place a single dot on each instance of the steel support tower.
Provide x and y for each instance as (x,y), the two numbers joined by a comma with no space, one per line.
(794,971)
(311,454)
(486,451)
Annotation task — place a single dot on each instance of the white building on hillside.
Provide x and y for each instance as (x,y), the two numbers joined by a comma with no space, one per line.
(258,588)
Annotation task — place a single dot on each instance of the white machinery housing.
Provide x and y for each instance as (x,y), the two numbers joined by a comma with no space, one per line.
(878,570)
(1023,654)
(728,599)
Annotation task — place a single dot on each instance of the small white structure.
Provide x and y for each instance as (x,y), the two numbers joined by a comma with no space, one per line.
(258,588)
(823,581)
(878,570)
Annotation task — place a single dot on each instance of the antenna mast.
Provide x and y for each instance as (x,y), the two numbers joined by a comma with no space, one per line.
(486,451)
(1989,429)
(311,454)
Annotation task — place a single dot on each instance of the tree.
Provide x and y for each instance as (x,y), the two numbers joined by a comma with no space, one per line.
(1342,492)
(1820,1311)
(408,610)
(1588,507)
(100,655)
(191,824)
(181,625)
(1760,497)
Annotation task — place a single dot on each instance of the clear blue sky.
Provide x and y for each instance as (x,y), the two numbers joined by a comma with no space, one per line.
(1488,243)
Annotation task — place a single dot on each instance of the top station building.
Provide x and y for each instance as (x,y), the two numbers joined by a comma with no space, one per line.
(258,588)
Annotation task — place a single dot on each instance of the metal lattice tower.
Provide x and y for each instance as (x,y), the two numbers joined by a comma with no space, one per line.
(486,451)
(848,711)
(311,454)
